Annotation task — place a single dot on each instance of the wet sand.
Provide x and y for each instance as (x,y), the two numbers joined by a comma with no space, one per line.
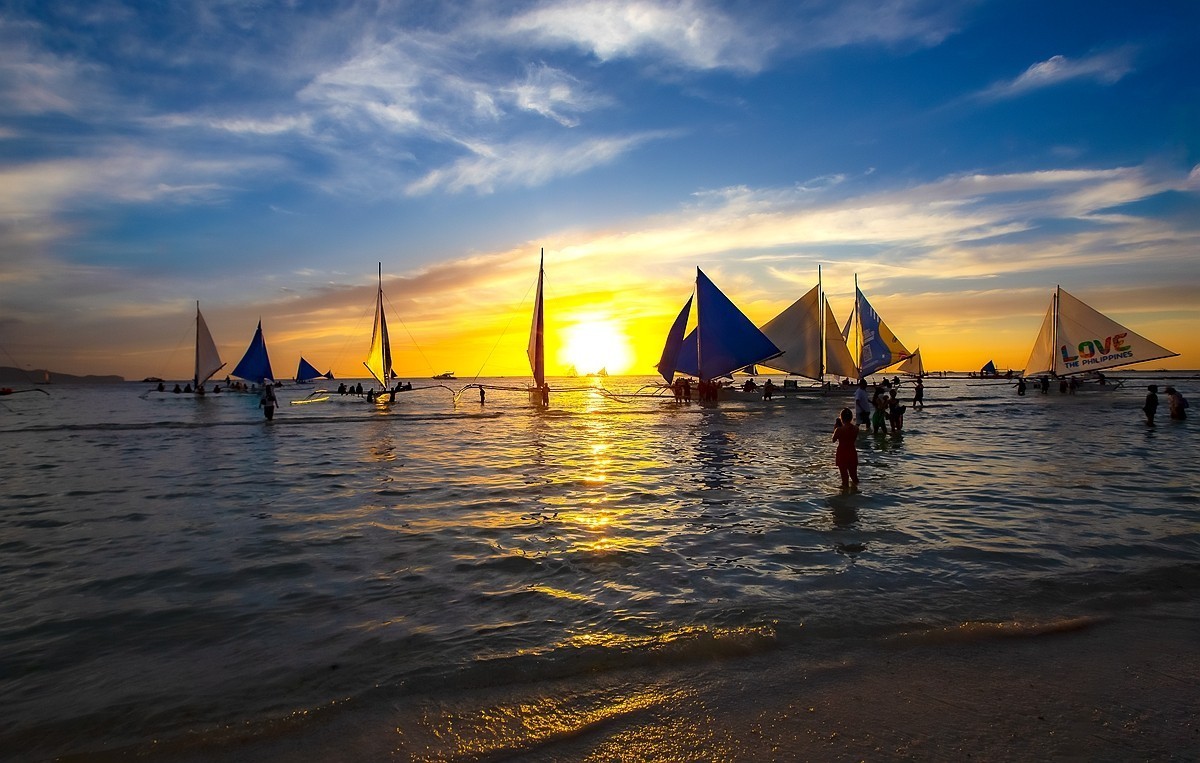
(1114,690)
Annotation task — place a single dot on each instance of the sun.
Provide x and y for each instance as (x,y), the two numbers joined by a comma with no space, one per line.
(593,344)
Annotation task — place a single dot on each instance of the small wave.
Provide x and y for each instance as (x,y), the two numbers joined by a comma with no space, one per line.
(975,631)
(600,653)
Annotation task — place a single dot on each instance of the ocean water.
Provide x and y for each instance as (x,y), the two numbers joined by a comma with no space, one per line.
(181,577)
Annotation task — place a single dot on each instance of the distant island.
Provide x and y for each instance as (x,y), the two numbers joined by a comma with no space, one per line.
(39,376)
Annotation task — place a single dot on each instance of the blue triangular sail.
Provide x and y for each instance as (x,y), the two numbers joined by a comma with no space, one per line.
(726,339)
(255,365)
(669,361)
(988,368)
(880,347)
(307,372)
(723,341)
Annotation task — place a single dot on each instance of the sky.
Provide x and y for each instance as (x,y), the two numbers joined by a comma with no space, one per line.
(261,158)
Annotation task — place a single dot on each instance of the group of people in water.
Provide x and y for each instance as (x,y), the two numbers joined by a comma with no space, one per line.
(1177,404)
(880,411)
(235,386)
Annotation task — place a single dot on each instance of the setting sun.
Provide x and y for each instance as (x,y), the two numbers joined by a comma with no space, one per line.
(595,343)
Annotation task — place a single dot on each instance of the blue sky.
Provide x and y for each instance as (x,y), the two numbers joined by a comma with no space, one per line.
(961,158)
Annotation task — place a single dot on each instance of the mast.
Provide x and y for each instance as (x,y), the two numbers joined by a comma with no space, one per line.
(1054,328)
(196,372)
(858,325)
(821,324)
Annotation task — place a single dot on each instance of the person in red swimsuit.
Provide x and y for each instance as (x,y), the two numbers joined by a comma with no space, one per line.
(844,434)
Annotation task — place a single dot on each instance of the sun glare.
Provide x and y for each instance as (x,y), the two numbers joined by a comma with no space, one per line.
(591,345)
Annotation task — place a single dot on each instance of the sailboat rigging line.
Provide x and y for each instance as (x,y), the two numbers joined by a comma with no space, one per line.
(512,315)
(396,313)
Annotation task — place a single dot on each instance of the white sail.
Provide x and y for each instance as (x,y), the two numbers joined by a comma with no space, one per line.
(1041,358)
(537,333)
(838,360)
(913,365)
(797,332)
(1076,339)
(208,360)
(379,357)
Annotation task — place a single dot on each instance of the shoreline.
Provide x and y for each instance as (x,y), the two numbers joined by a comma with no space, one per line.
(1117,689)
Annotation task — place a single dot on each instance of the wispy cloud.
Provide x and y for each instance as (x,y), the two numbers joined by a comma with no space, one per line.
(1104,68)
(525,164)
(555,94)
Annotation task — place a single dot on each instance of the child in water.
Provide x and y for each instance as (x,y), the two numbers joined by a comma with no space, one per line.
(845,432)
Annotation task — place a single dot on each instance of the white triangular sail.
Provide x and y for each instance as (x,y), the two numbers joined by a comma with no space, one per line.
(1041,358)
(1075,338)
(379,357)
(208,360)
(537,332)
(838,360)
(797,332)
(913,365)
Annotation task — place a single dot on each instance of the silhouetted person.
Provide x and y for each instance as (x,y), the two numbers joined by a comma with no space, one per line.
(1151,406)
(845,433)
(268,401)
(1176,404)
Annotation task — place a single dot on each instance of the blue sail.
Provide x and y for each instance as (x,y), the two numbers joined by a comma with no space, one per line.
(880,347)
(307,372)
(255,366)
(724,339)
(989,368)
(669,361)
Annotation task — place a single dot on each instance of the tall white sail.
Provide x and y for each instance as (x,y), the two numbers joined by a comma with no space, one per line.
(838,360)
(379,357)
(537,332)
(1082,339)
(797,332)
(1041,358)
(208,360)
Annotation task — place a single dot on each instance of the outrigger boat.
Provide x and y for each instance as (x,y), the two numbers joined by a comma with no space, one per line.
(1077,339)
(723,341)
(812,345)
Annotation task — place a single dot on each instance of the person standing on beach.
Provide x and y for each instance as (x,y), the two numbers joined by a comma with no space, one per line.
(1151,406)
(862,404)
(845,433)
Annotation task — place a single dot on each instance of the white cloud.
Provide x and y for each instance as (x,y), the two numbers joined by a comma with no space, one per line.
(524,164)
(1105,68)
(554,94)
(685,33)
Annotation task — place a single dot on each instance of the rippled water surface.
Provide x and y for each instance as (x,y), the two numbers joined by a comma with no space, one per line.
(172,566)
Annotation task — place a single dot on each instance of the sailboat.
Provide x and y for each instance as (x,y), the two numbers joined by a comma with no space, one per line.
(539,393)
(255,365)
(878,345)
(379,356)
(1077,339)
(810,339)
(307,372)
(723,341)
(208,360)
(913,365)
